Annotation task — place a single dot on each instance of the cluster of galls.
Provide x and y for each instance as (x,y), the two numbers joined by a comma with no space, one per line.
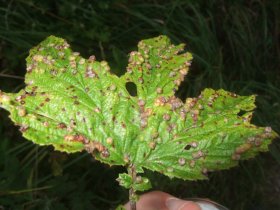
(135,58)
(195,155)
(22,98)
(74,60)
(193,107)
(254,141)
(155,140)
(48,60)
(135,61)
(140,61)
(182,71)
(173,104)
(21,110)
(191,163)
(144,113)
(90,73)
(90,146)
(64,45)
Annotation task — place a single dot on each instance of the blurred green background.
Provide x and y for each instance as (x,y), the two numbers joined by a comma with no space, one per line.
(236,47)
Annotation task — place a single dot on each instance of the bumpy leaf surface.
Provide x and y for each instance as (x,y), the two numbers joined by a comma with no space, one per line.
(77,104)
(140,184)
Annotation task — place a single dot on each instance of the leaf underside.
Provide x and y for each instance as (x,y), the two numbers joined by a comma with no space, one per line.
(77,104)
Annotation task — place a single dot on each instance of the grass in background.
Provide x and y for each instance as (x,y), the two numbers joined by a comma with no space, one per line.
(235,46)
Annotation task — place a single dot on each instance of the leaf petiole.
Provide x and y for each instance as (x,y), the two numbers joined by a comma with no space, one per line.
(132,194)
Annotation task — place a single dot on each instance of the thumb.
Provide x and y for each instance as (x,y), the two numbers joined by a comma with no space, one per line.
(178,204)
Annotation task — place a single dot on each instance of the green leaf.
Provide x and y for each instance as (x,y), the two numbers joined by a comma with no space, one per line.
(77,104)
(125,180)
(120,207)
(140,183)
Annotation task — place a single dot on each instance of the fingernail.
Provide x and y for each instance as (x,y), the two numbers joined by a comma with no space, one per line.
(175,203)
(206,206)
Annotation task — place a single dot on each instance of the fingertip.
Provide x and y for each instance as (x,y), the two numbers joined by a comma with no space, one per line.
(173,203)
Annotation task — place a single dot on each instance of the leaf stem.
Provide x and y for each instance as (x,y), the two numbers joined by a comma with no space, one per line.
(132,193)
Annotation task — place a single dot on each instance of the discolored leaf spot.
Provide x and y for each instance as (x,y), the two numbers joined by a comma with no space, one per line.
(152,145)
(23,128)
(166,117)
(21,111)
(109,140)
(243,148)
(182,161)
(197,155)
(46,124)
(192,163)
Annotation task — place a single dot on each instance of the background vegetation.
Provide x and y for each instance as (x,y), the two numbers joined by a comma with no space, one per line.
(235,45)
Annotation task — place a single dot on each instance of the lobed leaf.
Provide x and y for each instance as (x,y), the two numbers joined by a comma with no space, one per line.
(77,104)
